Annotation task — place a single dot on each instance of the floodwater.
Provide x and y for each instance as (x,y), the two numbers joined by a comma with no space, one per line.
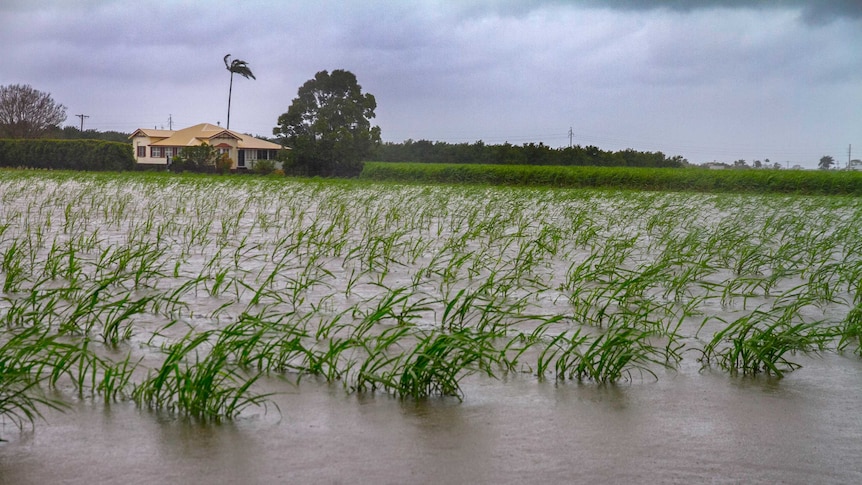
(689,426)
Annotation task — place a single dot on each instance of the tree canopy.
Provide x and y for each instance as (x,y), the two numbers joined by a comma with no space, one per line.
(73,133)
(27,113)
(328,126)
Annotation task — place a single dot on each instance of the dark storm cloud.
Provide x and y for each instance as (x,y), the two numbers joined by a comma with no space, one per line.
(826,9)
(823,12)
(813,12)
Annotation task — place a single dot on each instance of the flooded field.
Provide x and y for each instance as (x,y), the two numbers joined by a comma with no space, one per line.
(223,330)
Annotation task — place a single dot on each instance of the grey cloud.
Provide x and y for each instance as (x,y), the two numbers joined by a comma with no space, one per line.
(824,12)
(812,12)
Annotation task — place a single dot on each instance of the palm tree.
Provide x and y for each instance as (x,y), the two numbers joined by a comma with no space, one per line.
(239,67)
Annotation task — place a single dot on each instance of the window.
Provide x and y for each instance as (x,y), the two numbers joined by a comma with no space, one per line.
(157,152)
(262,155)
(142,151)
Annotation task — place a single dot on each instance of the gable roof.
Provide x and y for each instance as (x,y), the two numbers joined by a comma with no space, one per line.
(151,133)
(203,133)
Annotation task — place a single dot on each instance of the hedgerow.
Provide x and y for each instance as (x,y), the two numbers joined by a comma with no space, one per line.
(66,154)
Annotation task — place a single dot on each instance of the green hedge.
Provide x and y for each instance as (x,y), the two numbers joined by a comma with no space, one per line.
(826,182)
(67,154)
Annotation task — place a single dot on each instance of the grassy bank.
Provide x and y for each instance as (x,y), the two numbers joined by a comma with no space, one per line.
(692,179)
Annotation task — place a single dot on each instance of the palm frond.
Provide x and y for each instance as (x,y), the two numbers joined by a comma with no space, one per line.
(241,67)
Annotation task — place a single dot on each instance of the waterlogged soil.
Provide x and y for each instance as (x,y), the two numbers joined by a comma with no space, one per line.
(689,426)
(167,258)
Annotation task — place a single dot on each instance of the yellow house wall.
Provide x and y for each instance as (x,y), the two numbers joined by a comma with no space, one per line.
(232,151)
(145,142)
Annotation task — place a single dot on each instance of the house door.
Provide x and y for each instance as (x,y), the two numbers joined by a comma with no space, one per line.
(240,158)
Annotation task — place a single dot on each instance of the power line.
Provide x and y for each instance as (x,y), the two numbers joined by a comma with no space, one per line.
(82,116)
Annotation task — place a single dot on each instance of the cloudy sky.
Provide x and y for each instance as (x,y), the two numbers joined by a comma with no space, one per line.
(709,80)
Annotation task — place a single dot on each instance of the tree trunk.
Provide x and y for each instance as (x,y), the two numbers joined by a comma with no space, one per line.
(229,91)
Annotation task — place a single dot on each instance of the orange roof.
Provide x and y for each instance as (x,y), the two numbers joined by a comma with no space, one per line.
(204,133)
(151,133)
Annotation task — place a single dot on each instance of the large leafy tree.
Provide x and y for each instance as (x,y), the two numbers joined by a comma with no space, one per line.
(27,113)
(328,126)
(235,66)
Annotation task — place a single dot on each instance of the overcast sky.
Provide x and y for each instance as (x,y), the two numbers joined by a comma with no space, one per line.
(709,80)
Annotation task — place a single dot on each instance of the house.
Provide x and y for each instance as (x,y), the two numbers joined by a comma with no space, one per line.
(158,147)
(855,164)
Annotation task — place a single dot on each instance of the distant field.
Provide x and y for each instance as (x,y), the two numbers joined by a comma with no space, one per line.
(691,179)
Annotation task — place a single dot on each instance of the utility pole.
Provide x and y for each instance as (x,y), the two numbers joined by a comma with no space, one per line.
(571,135)
(849,153)
(82,121)
(170,122)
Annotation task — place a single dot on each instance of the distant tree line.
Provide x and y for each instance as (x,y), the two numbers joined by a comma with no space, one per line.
(424,151)
(73,133)
(826,162)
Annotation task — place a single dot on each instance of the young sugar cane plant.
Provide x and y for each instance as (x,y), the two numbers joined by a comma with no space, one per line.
(434,366)
(763,340)
(21,397)
(75,363)
(198,382)
(268,344)
(850,332)
(613,355)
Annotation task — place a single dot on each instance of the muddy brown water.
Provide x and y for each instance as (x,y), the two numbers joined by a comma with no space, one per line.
(689,426)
